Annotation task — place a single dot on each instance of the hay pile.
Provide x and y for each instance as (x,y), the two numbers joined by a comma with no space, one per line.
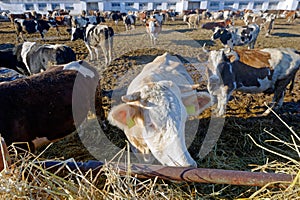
(26,178)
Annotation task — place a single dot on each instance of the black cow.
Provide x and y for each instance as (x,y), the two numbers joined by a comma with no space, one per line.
(48,104)
(32,26)
(129,21)
(9,60)
(117,16)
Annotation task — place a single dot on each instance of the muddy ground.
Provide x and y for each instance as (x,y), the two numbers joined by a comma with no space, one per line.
(234,149)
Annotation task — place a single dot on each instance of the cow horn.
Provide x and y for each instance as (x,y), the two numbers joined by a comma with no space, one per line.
(205,50)
(131,97)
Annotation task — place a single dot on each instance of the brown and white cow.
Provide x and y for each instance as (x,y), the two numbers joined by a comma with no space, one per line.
(252,71)
(49,104)
(155,110)
(153,28)
(193,20)
(222,24)
(291,16)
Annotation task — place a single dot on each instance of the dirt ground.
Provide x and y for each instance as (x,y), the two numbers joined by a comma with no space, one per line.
(234,149)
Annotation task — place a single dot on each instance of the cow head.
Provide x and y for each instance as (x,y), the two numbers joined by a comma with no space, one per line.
(218,61)
(77,33)
(221,33)
(153,119)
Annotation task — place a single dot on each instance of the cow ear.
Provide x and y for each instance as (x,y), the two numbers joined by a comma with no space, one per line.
(123,116)
(196,103)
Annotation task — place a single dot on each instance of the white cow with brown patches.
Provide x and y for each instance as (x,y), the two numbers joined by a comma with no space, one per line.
(153,28)
(193,20)
(252,71)
(155,109)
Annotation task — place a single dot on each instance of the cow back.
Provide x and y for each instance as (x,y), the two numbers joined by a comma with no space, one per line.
(42,105)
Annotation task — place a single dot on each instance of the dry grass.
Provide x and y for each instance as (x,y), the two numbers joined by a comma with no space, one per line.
(26,178)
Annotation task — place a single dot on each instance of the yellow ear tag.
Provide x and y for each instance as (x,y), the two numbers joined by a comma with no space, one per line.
(190,109)
(130,122)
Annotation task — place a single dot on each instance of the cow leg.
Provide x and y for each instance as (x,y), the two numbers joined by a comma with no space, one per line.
(105,48)
(57,31)
(151,38)
(22,37)
(97,55)
(110,47)
(279,92)
(90,51)
(223,97)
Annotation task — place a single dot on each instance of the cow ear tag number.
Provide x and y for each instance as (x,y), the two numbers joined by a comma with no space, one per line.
(130,122)
(190,109)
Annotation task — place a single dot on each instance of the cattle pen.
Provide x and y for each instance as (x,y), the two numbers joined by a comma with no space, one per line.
(247,143)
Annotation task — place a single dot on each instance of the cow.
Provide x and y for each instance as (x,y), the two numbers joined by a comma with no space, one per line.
(267,70)
(129,21)
(222,24)
(80,22)
(217,15)
(250,18)
(192,20)
(96,37)
(37,57)
(49,104)
(268,25)
(291,16)
(26,16)
(142,16)
(155,111)
(31,26)
(153,28)
(117,16)
(9,60)
(237,35)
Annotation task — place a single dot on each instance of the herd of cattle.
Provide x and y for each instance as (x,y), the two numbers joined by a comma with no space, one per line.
(39,82)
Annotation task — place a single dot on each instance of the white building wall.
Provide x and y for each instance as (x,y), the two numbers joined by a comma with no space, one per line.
(18,6)
(150,6)
(203,4)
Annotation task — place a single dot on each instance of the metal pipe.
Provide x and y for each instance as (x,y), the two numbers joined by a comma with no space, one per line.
(188,174)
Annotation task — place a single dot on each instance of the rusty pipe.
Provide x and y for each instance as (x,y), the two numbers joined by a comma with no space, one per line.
(187,174)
